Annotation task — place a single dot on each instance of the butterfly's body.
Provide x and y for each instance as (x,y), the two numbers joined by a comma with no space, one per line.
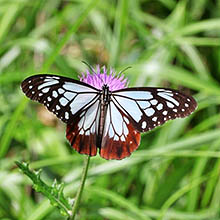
(106,118)
(104,102)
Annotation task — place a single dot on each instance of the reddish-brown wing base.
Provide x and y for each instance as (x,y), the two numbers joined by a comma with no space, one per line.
(111,149)
(84,144)
(118,149)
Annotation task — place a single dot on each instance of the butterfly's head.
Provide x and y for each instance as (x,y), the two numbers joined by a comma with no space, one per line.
(102,78)
(105,86)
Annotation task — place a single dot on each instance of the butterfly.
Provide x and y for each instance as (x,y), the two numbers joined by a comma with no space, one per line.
(110,121)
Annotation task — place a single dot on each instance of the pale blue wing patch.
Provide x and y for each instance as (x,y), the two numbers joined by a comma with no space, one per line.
(150,107)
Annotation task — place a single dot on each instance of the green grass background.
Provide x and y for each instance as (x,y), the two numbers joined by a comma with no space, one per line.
(174,175)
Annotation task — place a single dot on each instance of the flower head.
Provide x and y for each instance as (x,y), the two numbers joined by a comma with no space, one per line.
(100,77)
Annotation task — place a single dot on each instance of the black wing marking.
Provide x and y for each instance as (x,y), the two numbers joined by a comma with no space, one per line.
(63,96)
(151,107)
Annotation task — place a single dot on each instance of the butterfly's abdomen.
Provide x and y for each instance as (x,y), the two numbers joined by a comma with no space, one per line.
(104,102)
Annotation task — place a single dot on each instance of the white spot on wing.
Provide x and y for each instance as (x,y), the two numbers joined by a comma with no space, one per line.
(45,90)
(154,102)
(48,79)
(165,112)
(170,105)
(167,97)
(67,115)
(61,91)
(149,112)
(48,84)
(160,106)
(154,119)
(122,138)
(144,124)
(56,77)
(63,101)
(54,94)
(116,138)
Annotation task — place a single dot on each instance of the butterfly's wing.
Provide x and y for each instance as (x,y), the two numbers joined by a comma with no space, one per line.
(82,133)
(72,101)
(136,110)
(63,96)
(120,138)
(150,107)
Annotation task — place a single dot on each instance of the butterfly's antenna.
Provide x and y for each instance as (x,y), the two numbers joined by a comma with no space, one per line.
(124,70)
(87,64)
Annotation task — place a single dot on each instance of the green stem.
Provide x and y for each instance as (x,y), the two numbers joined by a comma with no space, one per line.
(80,190)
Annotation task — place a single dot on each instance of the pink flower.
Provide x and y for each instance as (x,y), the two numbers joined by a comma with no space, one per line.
(99,77)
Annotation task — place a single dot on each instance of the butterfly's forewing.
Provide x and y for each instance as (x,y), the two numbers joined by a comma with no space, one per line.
(147,108)
(120,138)
(63,96)
(82,133)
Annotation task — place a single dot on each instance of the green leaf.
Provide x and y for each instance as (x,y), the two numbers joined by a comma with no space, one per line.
(54,193)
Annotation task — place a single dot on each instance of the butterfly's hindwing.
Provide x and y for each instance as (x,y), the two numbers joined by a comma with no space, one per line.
(151,107)
(82,133)
(63,96)
(120,138)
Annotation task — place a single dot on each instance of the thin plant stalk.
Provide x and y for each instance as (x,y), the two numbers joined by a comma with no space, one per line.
(81,187)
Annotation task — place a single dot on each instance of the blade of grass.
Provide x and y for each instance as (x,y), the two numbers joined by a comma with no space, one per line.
(205,25)
(211,184)
(189,142)
(11,127)
(68,34)
(119,200)
(197,171)
(119,30)
(7,19)
(182,76)
(200,41)
(178,215)
(173,198)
